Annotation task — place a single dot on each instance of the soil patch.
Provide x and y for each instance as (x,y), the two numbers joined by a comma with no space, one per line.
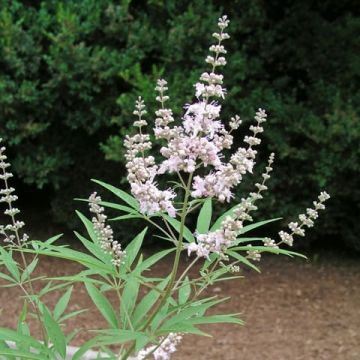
(294,310)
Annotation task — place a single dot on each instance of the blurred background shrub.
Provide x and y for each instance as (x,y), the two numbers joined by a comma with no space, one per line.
(71,70)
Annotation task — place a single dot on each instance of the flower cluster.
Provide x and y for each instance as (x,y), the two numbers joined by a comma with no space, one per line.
(142,170)
(198,141)
(11,231)
(219,240)
(226,176)
(104,232)
(297,228)
(164,350)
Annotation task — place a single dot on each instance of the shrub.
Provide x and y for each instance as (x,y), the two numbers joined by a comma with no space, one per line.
(199,173)
(72,69)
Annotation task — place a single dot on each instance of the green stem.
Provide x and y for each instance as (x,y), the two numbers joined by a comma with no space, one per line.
(174,270)
(185,272)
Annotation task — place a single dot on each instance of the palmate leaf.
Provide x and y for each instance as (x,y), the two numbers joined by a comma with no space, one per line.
(204,218)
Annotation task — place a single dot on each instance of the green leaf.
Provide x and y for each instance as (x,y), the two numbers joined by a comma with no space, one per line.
(89,226)
(71,314)
(177,225)
(102,304)
(242,259)
(73,255)
(162,313)
(204,218)
(184,291)
(194,309)
(215,319)
(62,304)
(153,259)
(54,332)
(4,346)
(111,337)
(113,206)
(95,249)
(208,262)
(28,271)
(247,228)
(127,198)
(8,278)
(219,220)
(126,217)
(118,207)
(247,239)
(183,327)
(133,248)
(10,264)
(23,328)
(11,335)
(128,301)
(85,347)
(21,354)
(270,250)
(148,301)
(53,239)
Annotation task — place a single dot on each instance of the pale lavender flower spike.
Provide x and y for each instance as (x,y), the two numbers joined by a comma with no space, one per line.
(11,231)
(198,142)
(104,232)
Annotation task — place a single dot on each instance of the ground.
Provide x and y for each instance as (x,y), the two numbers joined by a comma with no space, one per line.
(294,310)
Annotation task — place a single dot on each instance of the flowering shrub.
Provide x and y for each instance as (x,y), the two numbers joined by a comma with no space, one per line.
(194,151)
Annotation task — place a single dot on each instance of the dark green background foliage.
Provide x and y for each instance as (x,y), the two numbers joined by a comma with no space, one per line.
(71,70)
